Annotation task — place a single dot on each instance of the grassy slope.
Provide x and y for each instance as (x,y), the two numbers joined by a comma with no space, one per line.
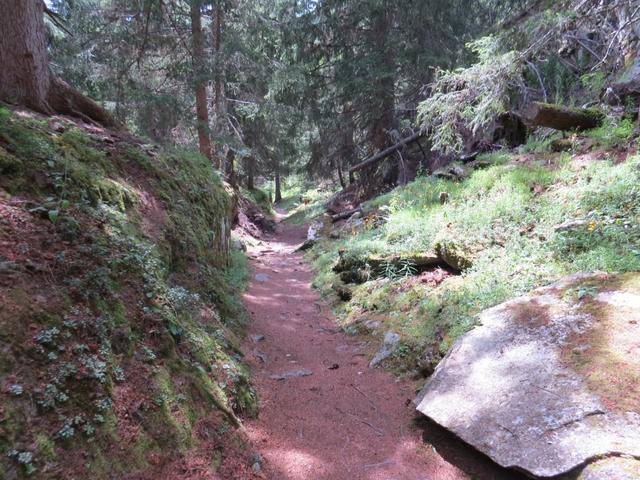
(502,219)
(119,313)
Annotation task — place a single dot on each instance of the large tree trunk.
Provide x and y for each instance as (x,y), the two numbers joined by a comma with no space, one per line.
(25,77)
(560,117)
(348,147)
(202,111)
(24,67)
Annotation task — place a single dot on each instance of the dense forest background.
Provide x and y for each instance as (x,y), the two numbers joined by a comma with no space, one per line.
(275,87)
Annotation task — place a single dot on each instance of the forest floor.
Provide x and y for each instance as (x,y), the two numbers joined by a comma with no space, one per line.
(324,413)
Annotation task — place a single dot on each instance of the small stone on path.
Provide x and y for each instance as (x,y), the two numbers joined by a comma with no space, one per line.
(389,345)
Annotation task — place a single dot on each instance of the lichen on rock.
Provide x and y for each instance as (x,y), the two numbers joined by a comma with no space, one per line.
(549,381)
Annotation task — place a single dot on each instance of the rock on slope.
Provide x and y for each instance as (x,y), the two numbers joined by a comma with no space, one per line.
(550,382)
(118,348)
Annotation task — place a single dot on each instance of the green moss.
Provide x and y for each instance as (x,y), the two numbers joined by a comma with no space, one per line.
(176,415)
(601,353)
(168,299)
(143,446)
(8,163)
(501,222)
(610,134)
(261,198)
(593,114)
(45,447)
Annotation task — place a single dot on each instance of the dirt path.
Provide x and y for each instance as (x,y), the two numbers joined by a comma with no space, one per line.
(341,420)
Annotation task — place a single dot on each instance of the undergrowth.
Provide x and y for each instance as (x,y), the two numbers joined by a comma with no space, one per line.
(517,226)
(122,316)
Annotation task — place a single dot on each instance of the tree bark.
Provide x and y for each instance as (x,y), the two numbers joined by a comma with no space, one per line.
(348,147)
(340,174)
(219,117)
(25,77)
(251,168)
(230,170)
(278,194)
(386,81)
(202,111)
(216,35)
(560,117)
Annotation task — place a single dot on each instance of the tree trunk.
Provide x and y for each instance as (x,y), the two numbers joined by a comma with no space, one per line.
(340,174)
(385,153)
(348,148)
(230,171)
(219,117)
(386,81)
(25,77)
(560,117)
(278,194)
(251,167)
(216,35)
(202,113)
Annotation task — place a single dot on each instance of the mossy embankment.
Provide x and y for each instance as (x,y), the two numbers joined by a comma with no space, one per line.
(119,309)
(521,220)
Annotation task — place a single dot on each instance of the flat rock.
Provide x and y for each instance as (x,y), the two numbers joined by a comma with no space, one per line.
(389,345)
(288,375)
(262,277)
(372,325)
(548,383)
(313,233)
(612,468)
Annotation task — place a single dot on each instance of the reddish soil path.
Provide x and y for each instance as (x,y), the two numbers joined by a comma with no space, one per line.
(344,421)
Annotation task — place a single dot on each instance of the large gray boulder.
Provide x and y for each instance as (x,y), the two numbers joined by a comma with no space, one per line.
(550,382)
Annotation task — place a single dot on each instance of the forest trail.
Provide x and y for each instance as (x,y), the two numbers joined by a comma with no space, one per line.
(334,418)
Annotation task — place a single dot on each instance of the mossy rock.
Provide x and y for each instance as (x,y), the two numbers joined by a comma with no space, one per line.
(344,293)
(565,356)
(355,276)
(455,254)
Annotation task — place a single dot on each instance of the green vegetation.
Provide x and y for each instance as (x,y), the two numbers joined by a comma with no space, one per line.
(137,300)
(516,226)
(262,198)
(305,202)
(612,134)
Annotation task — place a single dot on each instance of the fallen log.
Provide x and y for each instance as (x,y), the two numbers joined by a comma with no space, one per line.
(343,215)
(385,153)
(559,117)
(356,269)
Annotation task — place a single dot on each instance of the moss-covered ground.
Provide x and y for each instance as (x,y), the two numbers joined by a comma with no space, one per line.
(528,218)
(120,316)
